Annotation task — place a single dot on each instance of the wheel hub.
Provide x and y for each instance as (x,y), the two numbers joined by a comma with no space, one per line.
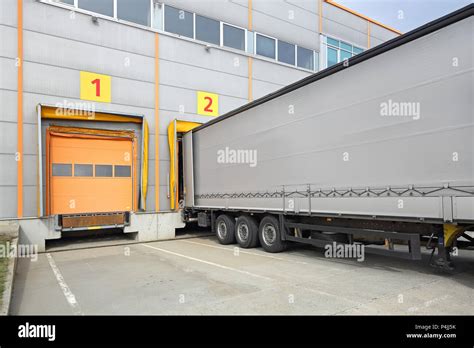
(269,234)
(243,232)
(221,229)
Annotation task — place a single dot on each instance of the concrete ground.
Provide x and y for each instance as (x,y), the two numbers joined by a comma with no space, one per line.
(200,276)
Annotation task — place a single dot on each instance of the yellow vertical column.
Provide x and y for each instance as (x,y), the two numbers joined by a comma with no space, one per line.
(250,59)
(320,16)
(19,154)
(157,122)
(368,34)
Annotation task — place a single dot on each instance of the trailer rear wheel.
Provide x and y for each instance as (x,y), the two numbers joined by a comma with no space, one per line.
(246,231)
(270,235)
(225,227)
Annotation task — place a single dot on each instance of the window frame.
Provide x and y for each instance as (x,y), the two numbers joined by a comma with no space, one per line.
(269,37)
(339,49)
(312,60)
(235,26)
(151,7)
(193,37)
(220,31)
(295,53)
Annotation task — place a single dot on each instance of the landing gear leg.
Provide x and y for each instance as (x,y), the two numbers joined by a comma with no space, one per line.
(443,259)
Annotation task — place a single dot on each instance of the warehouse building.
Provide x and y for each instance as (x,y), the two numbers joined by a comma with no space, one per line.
(95,95)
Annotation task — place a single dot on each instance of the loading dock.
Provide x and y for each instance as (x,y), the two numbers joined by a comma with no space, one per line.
(109,150)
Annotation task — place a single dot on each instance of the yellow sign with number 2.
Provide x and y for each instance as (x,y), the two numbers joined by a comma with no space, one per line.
(207,104)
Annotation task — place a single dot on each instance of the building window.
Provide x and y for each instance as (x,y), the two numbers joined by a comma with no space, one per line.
(233,37)
(345,55)
(332,56)
(104,7)
(62,169)
(136,11)
(357,50)
(266,46)
(305,58)
(286,52)
(208,30)
(338,51)
(179,21)
(103,170)
(250,42)
(83,170)
(123,171)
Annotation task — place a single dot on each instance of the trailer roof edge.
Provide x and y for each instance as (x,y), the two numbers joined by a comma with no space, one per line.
(416,33)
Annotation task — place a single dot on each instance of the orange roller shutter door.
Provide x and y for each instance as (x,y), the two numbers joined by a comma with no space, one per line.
(89,175)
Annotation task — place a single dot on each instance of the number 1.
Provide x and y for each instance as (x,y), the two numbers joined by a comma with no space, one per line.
(96,82)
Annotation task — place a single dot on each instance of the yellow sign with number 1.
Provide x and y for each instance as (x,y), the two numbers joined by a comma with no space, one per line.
(96,87)
(207,104)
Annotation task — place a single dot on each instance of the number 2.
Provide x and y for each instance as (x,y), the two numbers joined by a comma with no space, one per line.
(208,107)
(96,82)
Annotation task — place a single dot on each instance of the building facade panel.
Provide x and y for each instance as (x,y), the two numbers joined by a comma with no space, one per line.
(201,78)
(8,72)
(8,12)
(7,176)
(9,106)
(9,40)
(276,73)
(86,57)
(8,201)
(195,54)
(308,5)
(382,34)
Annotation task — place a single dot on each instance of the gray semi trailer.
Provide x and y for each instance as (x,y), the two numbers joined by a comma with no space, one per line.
(377,150)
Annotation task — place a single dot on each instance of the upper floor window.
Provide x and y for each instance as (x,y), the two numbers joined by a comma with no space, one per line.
(338,50)
(286,52)
(305,58)
(208,30)
(179,22)
(266,46)
(136,11)
(104,7)
(233,37)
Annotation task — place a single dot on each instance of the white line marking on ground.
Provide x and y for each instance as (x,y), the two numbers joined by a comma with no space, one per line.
(208,262)
(244,252)
(70,298)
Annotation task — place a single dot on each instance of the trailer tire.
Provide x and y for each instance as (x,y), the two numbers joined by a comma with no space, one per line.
(225,229)
(270,235)
(246,232)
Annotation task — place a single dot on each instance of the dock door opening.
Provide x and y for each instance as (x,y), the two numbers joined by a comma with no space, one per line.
(94,163)
(176,129)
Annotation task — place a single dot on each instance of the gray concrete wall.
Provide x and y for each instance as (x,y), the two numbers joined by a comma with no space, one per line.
(58,45)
